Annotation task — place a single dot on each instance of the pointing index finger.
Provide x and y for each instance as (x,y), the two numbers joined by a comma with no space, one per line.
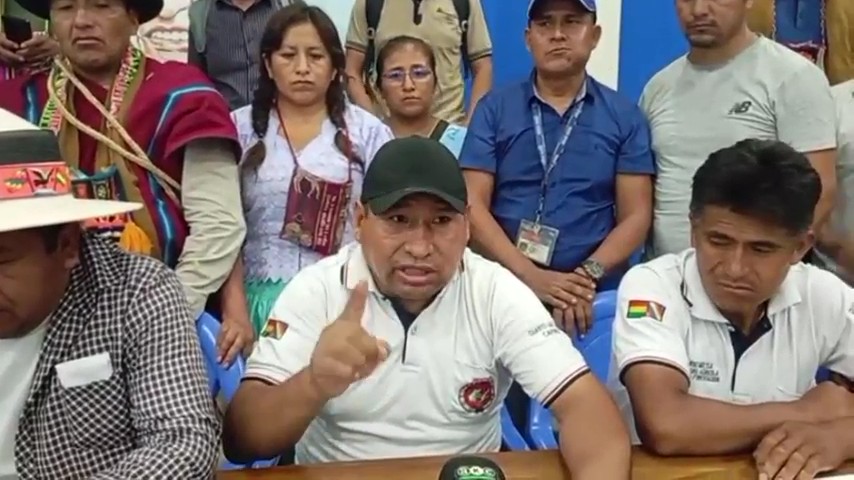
(355,307)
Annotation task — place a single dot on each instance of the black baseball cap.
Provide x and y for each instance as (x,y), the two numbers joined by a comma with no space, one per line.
(409,165)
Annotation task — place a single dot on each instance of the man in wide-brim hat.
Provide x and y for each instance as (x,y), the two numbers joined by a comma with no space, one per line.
(101,374)
(136,129)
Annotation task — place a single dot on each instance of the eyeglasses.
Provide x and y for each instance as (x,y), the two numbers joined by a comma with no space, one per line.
(418,74)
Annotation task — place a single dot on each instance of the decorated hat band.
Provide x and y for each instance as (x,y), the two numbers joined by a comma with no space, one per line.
(34,180)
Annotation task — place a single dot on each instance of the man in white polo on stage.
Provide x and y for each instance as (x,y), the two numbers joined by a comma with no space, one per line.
(716,348)
(406,343)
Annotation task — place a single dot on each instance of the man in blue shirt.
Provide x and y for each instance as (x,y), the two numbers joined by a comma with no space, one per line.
(560,169)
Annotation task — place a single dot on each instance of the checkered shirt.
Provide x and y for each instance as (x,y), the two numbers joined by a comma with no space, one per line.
(154,417)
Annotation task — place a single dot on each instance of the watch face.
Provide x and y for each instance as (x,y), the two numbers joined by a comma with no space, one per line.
(594,268)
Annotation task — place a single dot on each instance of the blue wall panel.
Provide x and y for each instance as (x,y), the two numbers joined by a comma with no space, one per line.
(650,38)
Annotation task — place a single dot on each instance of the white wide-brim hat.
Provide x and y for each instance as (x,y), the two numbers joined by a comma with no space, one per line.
(35,183)
(21,214)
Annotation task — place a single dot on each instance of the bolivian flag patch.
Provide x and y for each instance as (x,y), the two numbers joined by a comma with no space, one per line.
(645,308)
(274,329)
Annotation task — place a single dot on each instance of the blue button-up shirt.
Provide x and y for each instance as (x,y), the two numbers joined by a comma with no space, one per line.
(611,137)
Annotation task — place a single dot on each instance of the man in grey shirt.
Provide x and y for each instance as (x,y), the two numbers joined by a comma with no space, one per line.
(225,41)
(731,85)
(837,249)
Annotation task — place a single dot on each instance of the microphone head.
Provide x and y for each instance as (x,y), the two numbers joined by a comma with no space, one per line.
(471,468)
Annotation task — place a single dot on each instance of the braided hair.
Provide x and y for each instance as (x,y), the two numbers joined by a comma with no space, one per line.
(264,97)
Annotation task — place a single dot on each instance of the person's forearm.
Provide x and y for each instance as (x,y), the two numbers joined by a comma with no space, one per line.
(263,421)
(234,290)
(358,93)
(490,240)
(846,435)
(212,209)
(623,241)
(175,425)
(824,207)
(824,163)
(691,425)
(604,452)
(480,85)
(839,247)
(594,440)
(179,453)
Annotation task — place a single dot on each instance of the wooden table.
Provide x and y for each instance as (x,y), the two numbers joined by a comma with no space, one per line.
(538,465)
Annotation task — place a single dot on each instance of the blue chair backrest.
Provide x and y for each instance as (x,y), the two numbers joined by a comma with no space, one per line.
(595,347)
(510,435)
(596,344)
(221,379)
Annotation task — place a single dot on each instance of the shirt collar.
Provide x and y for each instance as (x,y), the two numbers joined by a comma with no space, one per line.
(702,306)
(97,258)
(585,93)
(356,270)
(98,270)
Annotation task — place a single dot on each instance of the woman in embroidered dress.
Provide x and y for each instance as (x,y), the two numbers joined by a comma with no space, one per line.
(407,83)
(305,146)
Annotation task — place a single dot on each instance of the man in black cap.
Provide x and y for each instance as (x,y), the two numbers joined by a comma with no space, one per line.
(405,343)
(133,128)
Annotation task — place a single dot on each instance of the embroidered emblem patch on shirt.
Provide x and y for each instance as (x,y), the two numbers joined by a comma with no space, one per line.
(274,329)
(645,308)
(477,395)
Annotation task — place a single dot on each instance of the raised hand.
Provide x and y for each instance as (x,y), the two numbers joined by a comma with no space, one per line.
(346,353)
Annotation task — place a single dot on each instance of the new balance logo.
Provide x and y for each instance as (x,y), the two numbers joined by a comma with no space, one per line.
(740,107)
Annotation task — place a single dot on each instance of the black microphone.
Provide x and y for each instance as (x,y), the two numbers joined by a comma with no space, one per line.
(471,468)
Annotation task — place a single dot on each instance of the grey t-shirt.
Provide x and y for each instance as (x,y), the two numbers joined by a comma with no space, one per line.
(767,92)
(842,220)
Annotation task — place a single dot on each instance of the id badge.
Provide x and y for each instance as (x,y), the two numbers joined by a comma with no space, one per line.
(537,241)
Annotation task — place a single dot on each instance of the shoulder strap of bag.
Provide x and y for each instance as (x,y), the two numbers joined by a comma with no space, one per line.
(463,8)
(439,130)
(373,11)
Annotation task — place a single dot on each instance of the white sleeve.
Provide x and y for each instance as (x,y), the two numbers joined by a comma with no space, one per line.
(835,300)
(537,353)
(647,326)
(806,116)
(288,338)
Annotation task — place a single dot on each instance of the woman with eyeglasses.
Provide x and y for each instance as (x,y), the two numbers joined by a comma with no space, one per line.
(407,83)
(305,151)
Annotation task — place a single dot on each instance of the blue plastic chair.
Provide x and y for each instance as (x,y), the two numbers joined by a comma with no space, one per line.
(223,379)
(596,349)
(510,434)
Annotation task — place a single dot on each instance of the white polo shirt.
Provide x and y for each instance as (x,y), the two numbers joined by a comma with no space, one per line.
(441,389)
(665,316)
(18,360)
(842,219)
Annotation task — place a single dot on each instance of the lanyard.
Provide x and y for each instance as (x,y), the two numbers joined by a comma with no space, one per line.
(549,163)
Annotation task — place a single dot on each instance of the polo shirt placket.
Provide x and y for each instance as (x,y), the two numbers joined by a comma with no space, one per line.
(441,388)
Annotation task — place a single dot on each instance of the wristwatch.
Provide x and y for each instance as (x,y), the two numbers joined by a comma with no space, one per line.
(593,268)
